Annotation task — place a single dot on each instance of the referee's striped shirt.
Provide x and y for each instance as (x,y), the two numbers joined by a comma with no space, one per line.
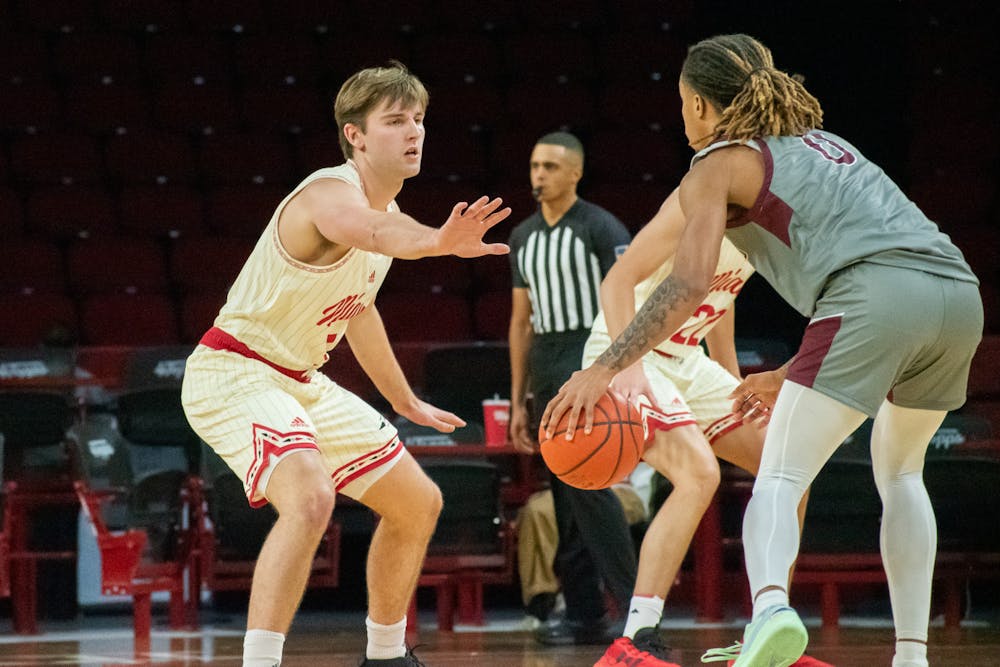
(562,266)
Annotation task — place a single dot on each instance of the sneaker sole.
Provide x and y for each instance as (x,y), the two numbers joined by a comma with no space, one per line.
(780,643)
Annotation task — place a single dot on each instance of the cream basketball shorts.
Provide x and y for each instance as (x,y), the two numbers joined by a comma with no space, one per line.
(692,389)
(253,414)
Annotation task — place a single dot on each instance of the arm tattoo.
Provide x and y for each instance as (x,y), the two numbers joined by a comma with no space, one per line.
(645,330)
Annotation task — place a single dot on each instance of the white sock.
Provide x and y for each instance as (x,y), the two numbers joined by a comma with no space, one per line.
(775,596)
(910,654)
(643,612)
(262,648)
(386,641)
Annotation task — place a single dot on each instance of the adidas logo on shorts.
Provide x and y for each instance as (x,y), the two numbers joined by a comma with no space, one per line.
(298,422)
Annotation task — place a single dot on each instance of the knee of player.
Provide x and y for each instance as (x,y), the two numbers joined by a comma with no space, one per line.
(314,505)
(434,503)
(706,476)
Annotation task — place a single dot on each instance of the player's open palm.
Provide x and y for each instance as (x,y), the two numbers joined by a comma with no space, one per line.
(462,233)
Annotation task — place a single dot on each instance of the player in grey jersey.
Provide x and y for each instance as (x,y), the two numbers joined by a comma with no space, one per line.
(896,318)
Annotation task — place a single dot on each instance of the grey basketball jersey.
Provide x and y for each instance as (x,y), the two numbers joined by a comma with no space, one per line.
(824,206)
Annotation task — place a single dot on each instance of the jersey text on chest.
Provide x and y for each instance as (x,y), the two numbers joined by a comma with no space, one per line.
(344,309)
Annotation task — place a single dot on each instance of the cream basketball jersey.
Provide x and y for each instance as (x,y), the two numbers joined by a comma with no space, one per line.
(731,274)
(292,313)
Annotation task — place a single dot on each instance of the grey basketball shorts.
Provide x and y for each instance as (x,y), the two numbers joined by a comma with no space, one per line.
(882,332)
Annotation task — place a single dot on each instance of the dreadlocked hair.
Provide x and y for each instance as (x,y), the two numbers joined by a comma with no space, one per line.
(736,74)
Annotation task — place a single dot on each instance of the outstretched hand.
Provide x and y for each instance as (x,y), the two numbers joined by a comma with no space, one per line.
(462,233)
(424,414)
(579,393)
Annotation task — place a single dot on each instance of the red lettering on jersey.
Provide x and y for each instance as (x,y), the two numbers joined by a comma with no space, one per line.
(729,281)
(344,309)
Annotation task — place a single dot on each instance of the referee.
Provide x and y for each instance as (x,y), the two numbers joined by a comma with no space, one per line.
(559,255)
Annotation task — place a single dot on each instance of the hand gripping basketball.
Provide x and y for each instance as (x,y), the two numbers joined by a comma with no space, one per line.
(605,456)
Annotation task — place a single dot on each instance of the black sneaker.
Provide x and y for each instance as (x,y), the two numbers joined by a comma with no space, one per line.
(650,641)
(541,605)
(408,660)
(568,632)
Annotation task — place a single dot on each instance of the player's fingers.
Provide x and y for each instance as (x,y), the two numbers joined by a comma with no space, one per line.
(497,249)
(489,207)
(574,415)
(588,419)
(498,217)
(476,207)
(450,418)
(740,391)
(549,416)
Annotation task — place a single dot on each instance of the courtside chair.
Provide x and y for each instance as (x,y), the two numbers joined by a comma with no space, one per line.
(145,524)
(237,531)
(474,545)
(37,477)
(140,486)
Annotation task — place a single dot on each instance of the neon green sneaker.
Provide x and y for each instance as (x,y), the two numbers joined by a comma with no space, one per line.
(776,639)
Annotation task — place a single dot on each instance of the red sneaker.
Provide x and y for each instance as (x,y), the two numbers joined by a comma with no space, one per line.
(646,650)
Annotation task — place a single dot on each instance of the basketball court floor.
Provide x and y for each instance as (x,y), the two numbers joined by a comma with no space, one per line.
(322,639)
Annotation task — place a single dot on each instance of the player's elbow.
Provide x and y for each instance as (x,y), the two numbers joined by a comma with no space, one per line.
(695,285)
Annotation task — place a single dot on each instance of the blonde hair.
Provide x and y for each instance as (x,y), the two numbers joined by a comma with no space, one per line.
(736,74)
(368,88)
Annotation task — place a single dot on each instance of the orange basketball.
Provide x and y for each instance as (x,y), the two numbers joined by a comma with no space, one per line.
(605,456)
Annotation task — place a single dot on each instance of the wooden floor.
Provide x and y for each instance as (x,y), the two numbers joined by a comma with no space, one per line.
(332,639)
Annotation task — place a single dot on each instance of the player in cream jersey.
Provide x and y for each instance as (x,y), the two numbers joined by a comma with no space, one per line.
(294,312)
(731,274)
(252,389)
(692,421)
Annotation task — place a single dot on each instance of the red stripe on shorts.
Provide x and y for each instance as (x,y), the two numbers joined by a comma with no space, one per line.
(217,339)
(365,463)
(269,444)
(654,420)
(719,428)
(816,343)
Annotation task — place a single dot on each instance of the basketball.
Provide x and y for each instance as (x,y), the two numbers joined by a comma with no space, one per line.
(605,456)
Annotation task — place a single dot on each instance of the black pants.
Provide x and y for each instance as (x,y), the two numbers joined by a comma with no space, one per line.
(595,542)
